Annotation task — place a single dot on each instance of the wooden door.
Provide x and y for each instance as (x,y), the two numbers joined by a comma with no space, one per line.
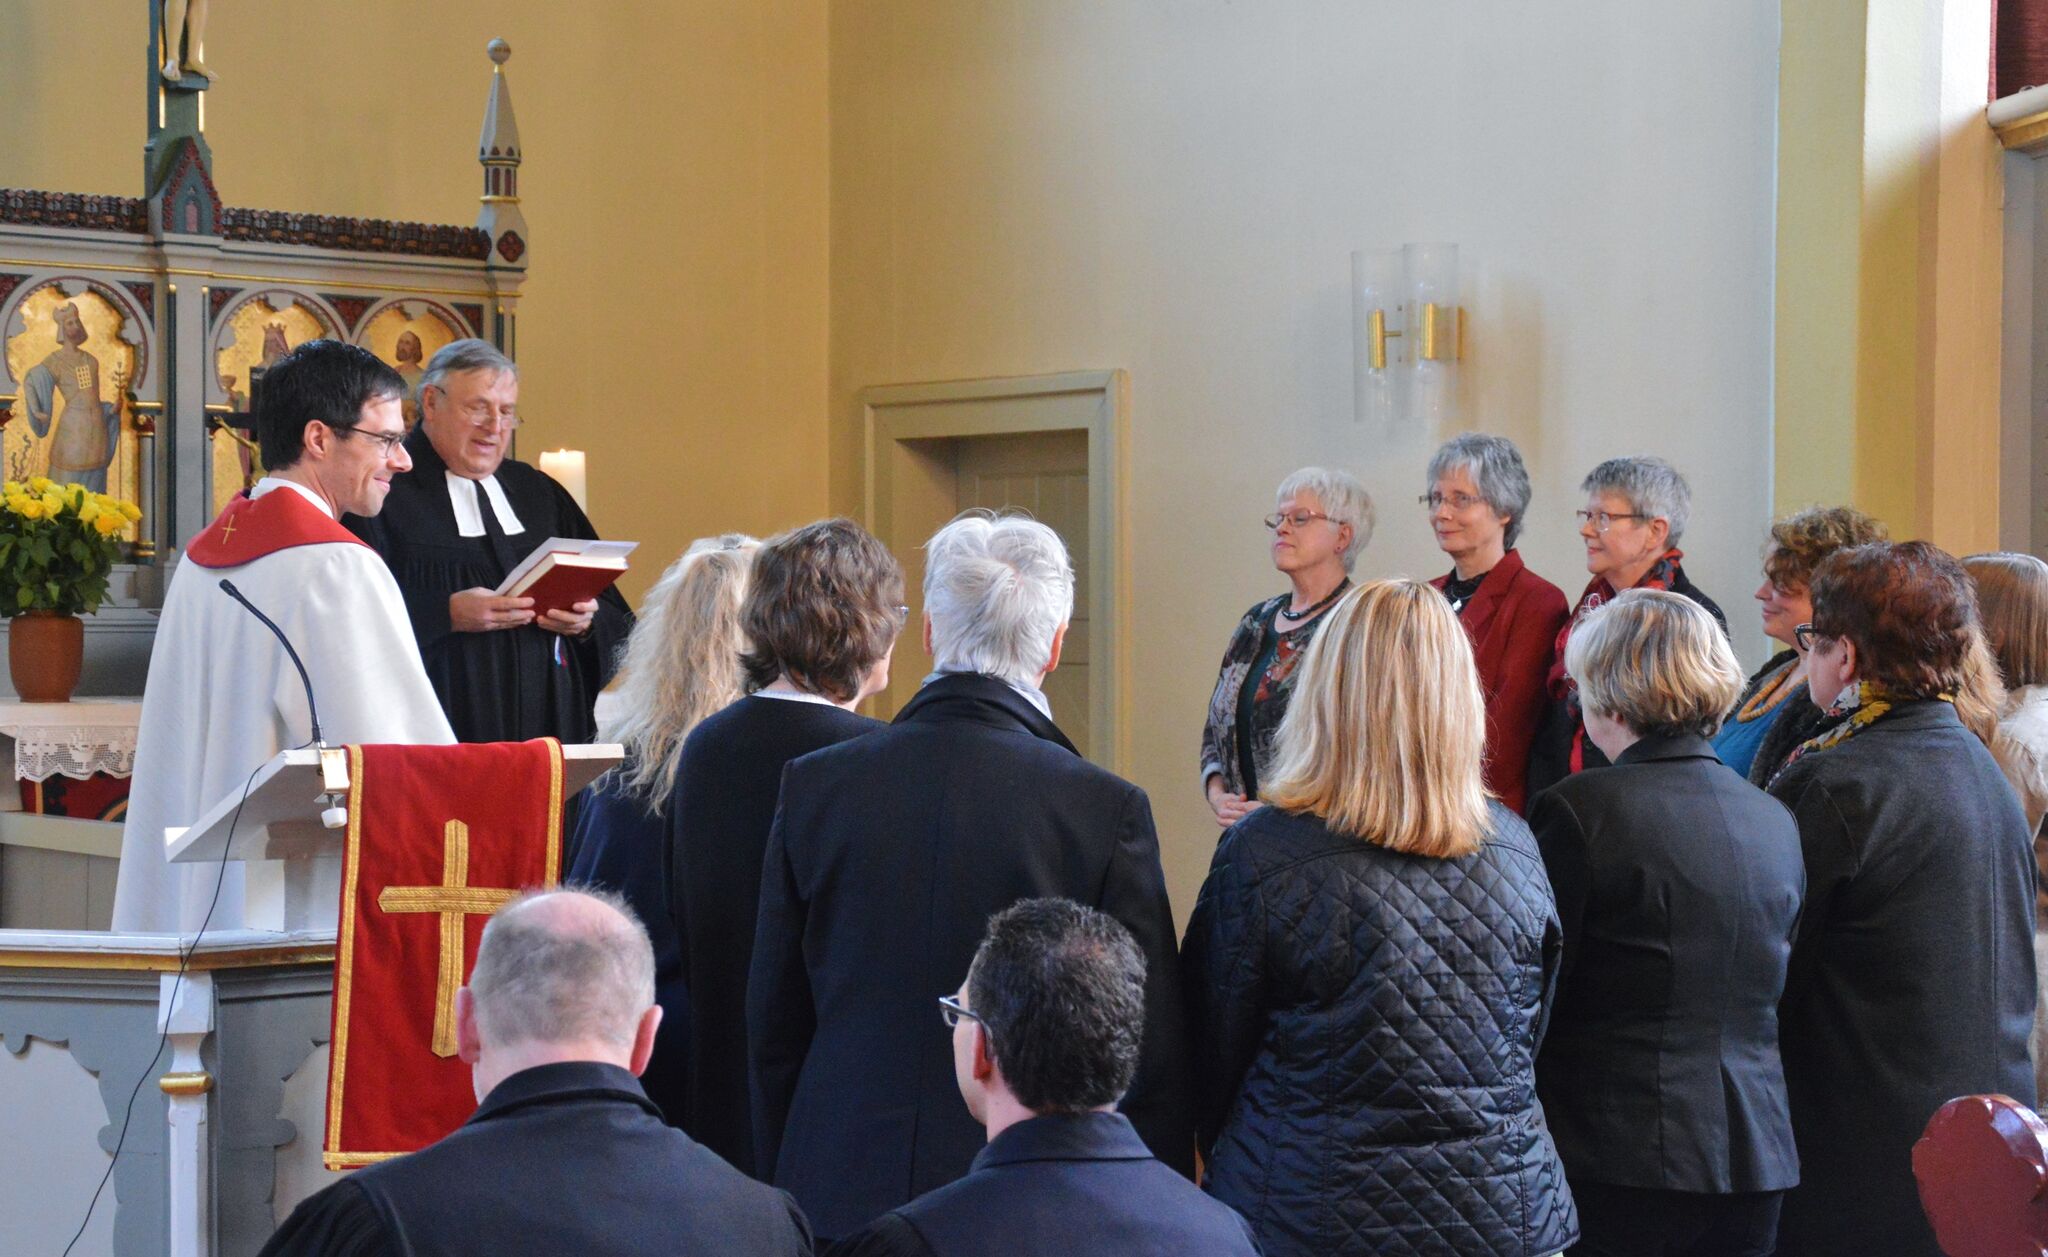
(1045,474)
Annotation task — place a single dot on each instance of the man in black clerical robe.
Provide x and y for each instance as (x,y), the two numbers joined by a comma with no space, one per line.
(453,527)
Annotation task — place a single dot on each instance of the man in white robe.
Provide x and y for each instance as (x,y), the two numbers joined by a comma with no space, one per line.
(223,697)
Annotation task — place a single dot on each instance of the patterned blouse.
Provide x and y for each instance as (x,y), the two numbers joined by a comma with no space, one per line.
(1251,695)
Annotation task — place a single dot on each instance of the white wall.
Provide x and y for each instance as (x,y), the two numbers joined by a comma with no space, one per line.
(1175,188)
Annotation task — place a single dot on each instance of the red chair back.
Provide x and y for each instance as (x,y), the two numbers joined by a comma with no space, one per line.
(1982,1164)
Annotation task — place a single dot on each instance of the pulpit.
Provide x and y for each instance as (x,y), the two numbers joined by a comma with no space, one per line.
(227,1034)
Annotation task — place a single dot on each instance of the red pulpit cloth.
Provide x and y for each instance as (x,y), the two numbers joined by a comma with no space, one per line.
(438,838)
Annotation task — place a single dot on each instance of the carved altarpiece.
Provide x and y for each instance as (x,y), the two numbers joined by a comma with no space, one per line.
(128,329)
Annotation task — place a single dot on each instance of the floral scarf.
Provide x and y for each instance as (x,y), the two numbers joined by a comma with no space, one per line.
(1663,574)
(1870,705)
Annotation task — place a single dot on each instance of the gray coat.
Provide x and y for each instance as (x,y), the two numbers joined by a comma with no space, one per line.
(1912,975)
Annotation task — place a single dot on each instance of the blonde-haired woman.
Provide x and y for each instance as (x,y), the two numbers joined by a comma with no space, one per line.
(1370,963)
(681,663)
(2012,600)
(1679,886)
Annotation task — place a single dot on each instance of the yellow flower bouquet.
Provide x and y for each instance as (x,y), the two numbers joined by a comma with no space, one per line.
(58,544)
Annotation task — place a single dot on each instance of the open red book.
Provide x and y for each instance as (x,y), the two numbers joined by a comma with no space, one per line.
(563,571)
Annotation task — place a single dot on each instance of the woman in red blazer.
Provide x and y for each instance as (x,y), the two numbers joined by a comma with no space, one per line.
(1479,493)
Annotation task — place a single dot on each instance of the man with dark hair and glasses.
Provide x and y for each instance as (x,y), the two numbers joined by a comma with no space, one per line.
(1045,1040)
(222,696)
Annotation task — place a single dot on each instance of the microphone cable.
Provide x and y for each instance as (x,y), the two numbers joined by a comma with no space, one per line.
(219,879)
(171,1006)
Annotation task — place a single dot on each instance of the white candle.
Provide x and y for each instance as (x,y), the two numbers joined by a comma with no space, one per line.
(566,466)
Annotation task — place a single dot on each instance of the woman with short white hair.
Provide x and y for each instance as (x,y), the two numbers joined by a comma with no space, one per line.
(1478,498)
(998,592)
(1322,521)
(1636,510)
(1679,886)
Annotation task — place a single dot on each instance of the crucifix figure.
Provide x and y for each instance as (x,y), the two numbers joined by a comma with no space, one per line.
(454,899)
(185,40)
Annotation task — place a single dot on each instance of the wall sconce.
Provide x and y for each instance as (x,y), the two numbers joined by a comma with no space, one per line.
(1408,335)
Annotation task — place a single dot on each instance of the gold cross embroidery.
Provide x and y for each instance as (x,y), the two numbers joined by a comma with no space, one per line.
(453,899)
(227,530)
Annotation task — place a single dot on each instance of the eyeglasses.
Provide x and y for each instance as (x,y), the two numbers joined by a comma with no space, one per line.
(1300,519)
(1604,520)
(386,441)
(951,1010)
(1804,635)
(479,415)
(1456,501)
(509,423)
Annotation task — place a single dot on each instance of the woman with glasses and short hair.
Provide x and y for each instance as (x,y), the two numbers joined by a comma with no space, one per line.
(1636,510)
(1773,716)
(1370,963)
(1322,521)
(1679,885)
(1912,974)
(1477,500)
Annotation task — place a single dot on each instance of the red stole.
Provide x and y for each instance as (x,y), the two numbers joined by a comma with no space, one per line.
(249,528)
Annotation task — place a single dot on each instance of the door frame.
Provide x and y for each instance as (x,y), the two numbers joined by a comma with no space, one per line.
(892,414)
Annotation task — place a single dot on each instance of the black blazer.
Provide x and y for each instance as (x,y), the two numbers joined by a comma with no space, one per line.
(1912,978)
(888,855)
(724,802)
(1064,1185)
(1678,884)
(564,1158)
(1550,755)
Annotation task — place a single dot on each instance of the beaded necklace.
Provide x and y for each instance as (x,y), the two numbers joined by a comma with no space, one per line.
(1772,693)
(1306,612)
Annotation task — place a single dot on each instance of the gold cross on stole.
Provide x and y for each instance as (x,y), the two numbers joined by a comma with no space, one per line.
(453,899)
(227,530)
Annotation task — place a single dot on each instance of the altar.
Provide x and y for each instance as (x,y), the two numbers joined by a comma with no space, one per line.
(66,769)
(166,1093)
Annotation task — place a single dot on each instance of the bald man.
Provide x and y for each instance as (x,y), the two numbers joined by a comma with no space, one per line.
(565,1153)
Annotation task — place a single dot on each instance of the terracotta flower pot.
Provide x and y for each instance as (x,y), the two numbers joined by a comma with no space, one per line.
(44,653)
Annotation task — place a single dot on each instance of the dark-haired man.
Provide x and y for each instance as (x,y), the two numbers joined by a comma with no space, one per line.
(1045,1040)
(222,696)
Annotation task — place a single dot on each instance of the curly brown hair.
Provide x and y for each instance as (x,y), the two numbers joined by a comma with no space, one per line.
(1910,610)
(823,608)
(1802,539)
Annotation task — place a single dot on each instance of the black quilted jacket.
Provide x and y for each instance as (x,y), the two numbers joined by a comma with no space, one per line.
(1366,1028)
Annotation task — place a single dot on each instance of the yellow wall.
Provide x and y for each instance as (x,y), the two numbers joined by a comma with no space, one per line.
(1889,267)
(1176,190)
(676,175)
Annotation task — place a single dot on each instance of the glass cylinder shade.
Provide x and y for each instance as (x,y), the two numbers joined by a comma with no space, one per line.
(1379,356)
(1432,299)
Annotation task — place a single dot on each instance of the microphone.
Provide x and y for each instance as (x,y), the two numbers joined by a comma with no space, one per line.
(312,712)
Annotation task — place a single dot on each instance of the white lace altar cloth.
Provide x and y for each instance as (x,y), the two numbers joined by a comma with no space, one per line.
(74,739)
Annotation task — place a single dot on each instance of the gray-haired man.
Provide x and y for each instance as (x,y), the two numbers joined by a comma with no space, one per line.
(454,526)
(565,1153)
